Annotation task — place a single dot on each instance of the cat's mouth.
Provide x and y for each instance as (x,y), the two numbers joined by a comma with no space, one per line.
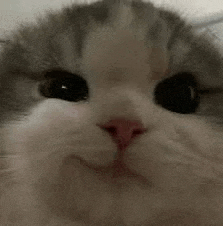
(115,169)
(115,172)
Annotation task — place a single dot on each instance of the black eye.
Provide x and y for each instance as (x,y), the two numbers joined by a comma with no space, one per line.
(178,93)
(65,86)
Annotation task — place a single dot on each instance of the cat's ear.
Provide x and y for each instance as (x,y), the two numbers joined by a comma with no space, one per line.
(113,2)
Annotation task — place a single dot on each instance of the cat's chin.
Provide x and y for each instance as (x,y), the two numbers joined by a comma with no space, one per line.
(112,195)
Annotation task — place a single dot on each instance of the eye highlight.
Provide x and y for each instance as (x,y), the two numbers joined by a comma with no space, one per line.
(64,85)
(178,94)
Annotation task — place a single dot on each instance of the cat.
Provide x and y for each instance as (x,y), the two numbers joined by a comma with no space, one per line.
(111,114)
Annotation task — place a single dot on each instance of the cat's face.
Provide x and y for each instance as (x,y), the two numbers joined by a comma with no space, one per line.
(111,115)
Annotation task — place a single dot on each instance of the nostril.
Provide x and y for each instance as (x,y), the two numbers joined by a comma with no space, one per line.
(111,130)
(138,132)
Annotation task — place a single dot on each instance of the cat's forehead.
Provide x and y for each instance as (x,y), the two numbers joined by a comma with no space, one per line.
(125,42)
(122,53)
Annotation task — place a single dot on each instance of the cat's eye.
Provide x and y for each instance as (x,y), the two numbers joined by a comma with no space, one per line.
(64,85)
(178,94)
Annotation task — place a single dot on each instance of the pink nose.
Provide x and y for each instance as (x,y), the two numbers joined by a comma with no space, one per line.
(123,131)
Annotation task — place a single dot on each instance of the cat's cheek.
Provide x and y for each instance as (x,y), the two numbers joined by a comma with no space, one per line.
(43,133)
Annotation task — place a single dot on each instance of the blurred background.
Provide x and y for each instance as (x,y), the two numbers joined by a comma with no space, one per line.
(202,13)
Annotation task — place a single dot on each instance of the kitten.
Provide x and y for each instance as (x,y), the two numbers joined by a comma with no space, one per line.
(111,115)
